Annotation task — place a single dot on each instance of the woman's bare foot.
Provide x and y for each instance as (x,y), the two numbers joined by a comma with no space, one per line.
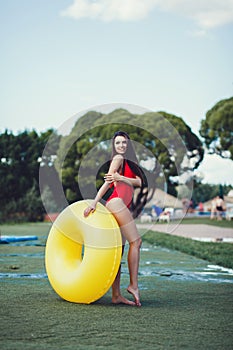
(135,293)
(121,300)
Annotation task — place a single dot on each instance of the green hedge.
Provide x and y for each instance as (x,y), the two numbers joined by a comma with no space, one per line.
(216,253)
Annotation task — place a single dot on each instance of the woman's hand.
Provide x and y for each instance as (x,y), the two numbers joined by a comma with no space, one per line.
(110,178)
(89,210)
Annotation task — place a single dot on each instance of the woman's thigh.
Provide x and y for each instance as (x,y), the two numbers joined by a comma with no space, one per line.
(124,218)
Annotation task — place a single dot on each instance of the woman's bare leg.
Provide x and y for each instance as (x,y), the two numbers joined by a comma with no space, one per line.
(133,263)
(117,298)
(130,232)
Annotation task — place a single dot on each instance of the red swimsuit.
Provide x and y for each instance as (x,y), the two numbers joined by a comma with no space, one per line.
(123,190)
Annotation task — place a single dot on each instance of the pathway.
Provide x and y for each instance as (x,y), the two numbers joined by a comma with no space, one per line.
(202,232)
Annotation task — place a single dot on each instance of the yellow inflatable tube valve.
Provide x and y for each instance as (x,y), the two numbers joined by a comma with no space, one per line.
(83,255)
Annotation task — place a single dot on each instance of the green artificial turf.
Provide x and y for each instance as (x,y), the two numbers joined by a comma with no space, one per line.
(182,307)
(217,253)
(206,221)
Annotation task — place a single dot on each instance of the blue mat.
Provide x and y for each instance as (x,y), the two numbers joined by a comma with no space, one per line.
(9,239)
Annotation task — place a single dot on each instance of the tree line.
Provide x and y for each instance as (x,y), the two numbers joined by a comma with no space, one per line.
(20,198)
(64,158)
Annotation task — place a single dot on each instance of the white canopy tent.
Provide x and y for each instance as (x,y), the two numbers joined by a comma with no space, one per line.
(163,200)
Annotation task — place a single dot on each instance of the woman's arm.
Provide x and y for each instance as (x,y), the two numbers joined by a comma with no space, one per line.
(91,208)
(115,177)
(115,164)
(135,182)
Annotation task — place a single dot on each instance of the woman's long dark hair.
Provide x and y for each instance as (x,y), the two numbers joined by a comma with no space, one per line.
(129,156)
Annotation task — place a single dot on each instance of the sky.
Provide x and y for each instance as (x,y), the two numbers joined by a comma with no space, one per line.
(61,57)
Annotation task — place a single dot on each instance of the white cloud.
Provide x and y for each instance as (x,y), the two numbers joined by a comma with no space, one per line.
(110,10)
(216,170)
(207,14)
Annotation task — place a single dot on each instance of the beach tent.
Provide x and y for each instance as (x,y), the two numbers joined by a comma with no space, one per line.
(163,200)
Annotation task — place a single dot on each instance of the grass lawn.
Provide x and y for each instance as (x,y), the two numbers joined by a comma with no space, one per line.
(174,315)
(177,312)
(207,221)
(203,221)
(217,253)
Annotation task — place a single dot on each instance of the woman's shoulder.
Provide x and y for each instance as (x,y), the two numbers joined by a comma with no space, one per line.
(118,157)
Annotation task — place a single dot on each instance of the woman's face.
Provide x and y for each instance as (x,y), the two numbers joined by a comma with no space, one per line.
(120,144)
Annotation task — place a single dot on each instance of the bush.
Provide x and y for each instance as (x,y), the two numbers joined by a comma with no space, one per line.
(217,253)
(26,209)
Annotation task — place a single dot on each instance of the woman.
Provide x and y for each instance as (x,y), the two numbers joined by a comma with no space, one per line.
(219,207)
(123,175)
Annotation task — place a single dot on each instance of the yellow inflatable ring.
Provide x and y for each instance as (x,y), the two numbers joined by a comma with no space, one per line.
(83,255)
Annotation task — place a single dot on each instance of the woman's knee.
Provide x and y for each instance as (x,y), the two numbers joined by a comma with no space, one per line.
(137,243)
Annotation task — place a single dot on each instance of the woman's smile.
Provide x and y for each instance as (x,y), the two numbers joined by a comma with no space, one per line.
(120,144)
